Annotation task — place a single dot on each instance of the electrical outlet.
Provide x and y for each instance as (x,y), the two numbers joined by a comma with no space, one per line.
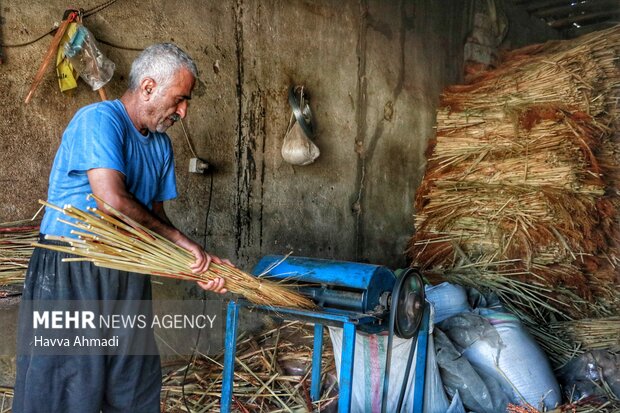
(198,166)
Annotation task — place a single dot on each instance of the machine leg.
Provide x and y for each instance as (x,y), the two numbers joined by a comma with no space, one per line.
(317,356)
(230,350)
(346,368)
(420,362)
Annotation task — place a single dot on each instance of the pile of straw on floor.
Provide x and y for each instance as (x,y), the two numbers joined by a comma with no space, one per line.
(582,406)
(521,191)
(15,250)
(272,374)
(6,399)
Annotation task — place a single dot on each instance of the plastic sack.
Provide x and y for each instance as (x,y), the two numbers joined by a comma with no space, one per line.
(93,67)
(497,346)
(435,400)
(583,376)
(369,368)
(460,378)
(297,149)
(456,406)
(447,300)
(488,300)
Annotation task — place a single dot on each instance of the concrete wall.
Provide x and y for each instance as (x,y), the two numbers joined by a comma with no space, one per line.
(373,70)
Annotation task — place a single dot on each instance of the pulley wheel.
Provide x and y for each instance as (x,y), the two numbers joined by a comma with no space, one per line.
(408,296)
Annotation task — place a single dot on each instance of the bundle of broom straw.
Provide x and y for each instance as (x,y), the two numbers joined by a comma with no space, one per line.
(118,242)
(522,189)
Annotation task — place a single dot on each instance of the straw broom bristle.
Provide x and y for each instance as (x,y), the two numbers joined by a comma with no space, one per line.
(118,242)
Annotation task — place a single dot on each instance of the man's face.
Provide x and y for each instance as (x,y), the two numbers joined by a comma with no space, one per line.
(170,104)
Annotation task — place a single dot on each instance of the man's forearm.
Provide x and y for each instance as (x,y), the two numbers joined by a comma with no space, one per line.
(109,185)
(154,221)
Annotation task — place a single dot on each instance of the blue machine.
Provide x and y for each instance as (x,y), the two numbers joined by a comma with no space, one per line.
(348,295)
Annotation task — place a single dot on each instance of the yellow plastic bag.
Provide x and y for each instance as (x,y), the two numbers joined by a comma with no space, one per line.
(67,76)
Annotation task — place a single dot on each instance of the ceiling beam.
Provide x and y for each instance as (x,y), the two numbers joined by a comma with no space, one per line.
(583,18)
(578,7)
(573,31)
(544,4)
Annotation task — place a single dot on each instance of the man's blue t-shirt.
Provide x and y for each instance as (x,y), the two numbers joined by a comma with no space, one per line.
(102,135)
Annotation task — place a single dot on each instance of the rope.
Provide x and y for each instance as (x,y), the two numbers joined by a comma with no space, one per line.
(86,13)
(133,49)
(30,41)
(98,8)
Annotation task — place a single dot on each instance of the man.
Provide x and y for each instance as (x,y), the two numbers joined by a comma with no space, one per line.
(119,151)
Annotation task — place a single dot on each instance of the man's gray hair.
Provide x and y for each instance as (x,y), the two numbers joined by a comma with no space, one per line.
(160,62)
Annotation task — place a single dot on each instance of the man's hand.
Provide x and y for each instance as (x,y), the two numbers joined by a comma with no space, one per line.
(203,260)
(216,285)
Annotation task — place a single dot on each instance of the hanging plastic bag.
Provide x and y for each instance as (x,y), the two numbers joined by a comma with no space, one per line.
(297,148)
(82,51)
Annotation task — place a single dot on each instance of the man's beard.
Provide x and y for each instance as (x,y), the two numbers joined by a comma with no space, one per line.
(162,126)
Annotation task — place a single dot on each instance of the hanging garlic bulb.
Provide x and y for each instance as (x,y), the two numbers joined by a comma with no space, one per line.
(297,149)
